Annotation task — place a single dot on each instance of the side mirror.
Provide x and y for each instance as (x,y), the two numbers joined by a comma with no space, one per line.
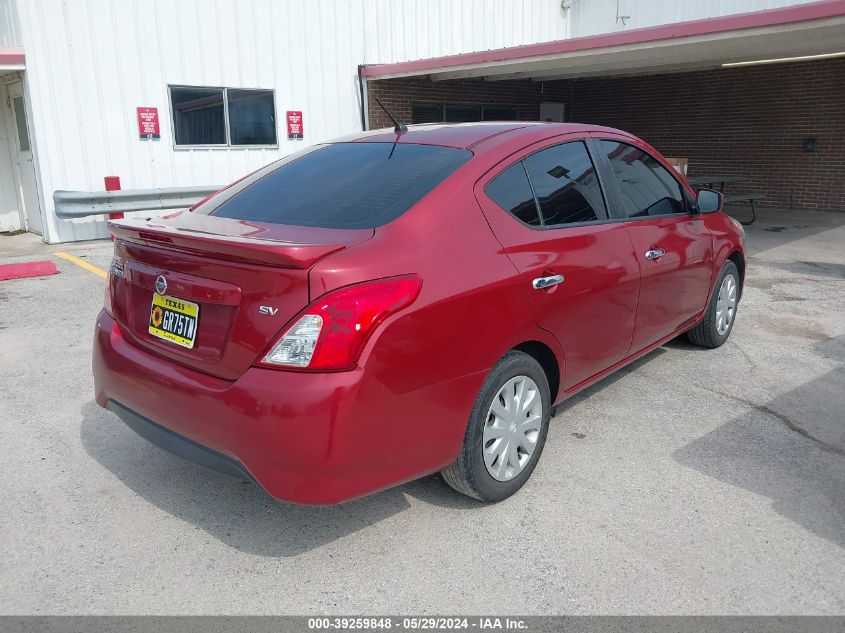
(709,201)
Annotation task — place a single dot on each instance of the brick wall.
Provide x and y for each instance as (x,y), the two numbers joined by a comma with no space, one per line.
(750,121)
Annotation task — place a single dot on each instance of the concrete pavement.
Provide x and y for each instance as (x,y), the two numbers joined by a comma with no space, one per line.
(693,481)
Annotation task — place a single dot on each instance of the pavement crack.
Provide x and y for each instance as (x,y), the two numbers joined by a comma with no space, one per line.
(747,356)
(785,420)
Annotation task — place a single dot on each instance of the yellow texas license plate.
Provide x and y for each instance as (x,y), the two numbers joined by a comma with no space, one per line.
(174,320)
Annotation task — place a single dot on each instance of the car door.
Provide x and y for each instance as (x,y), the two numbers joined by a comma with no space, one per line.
(547,208)
(673,246)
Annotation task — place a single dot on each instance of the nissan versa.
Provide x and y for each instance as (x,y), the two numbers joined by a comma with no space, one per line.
(402,302)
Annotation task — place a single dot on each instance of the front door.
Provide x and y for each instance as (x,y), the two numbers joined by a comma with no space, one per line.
(673,247)
(27,188)
(579,271)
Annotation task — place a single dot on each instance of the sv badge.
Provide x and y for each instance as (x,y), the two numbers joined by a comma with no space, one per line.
(267,310)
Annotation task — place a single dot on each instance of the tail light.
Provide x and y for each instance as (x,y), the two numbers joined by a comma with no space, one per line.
(331,332)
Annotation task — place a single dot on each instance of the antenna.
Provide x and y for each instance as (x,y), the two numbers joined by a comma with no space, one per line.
(397,127)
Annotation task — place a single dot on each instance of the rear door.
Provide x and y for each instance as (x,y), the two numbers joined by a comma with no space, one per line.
(547,208)
(673,247)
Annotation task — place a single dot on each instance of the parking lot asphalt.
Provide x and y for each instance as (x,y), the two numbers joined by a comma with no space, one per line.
(691,482)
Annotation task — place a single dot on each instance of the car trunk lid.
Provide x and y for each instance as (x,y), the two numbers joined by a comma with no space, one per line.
(247,279)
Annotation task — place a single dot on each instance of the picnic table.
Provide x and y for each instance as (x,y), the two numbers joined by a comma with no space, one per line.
(706,181)
(712,180)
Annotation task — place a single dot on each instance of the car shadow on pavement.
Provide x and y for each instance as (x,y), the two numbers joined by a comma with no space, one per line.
(791,449)
(682,343)
(608,380)
(240,514)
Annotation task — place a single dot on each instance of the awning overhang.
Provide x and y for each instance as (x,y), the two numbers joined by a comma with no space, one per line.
(12,59)
(816,28)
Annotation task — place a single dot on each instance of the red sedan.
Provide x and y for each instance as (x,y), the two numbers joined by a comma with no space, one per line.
(393,304)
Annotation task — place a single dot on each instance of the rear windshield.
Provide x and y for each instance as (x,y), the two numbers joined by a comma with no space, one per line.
(343,185)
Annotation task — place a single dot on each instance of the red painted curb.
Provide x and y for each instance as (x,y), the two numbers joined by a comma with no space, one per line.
(27,269)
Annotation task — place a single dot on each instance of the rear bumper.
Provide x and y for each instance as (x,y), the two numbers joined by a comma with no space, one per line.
(304,437)
(178,445)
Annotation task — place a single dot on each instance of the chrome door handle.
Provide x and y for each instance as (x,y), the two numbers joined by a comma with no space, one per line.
(541,283)
(655,253)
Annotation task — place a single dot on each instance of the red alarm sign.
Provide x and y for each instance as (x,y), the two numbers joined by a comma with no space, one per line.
(148,123)
(295,130)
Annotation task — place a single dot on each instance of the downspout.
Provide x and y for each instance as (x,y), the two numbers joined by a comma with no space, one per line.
(365,110)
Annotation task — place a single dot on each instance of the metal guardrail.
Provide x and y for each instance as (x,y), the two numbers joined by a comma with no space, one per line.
(80,204)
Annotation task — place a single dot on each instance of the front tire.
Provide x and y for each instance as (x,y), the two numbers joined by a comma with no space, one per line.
(715,328)
(506,431)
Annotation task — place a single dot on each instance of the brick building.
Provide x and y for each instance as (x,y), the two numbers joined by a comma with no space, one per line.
(762,96)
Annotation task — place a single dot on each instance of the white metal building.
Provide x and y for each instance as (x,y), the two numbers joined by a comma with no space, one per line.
(170,93)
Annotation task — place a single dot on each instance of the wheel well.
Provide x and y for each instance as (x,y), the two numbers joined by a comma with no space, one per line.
(737,258)
(543,354)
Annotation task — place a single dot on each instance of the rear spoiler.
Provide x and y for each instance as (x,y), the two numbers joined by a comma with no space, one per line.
(239,248)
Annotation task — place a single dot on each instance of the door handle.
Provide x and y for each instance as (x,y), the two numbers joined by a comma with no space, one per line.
(655,253)
(541,283)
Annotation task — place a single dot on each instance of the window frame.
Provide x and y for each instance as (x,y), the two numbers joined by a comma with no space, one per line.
(603,217)
(616,210)
(228,144)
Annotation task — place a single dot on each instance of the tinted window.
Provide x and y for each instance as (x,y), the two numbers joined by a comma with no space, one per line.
(344,185)
(427,113)
(252,117)
(462,113)
(493,112)
(198,116)
(511,191)
(647,188)
(566,185)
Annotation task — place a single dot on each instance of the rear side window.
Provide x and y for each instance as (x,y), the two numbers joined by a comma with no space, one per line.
(566,185)
(646,187)
(343,185)
(511,191)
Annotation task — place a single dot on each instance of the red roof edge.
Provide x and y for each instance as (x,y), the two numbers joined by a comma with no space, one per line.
(12,56)
(740,21)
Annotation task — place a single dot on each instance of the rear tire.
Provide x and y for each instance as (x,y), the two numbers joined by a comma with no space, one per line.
(506,431)
(717,324)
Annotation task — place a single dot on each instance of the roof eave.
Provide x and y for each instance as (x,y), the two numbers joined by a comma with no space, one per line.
(664,32)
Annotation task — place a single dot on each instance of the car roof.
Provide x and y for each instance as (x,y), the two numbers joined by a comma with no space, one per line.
(470,135)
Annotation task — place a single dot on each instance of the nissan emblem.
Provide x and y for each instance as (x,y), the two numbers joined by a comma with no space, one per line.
(161,285)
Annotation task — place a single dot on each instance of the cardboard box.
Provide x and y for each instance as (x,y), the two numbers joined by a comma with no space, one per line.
(680,165)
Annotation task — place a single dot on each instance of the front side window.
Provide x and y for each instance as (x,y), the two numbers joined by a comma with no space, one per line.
(342,185)
(223,116)
(566,185)
(646,187)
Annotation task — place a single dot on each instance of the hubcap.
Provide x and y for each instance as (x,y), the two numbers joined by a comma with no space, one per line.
(512,428)
(726,305)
